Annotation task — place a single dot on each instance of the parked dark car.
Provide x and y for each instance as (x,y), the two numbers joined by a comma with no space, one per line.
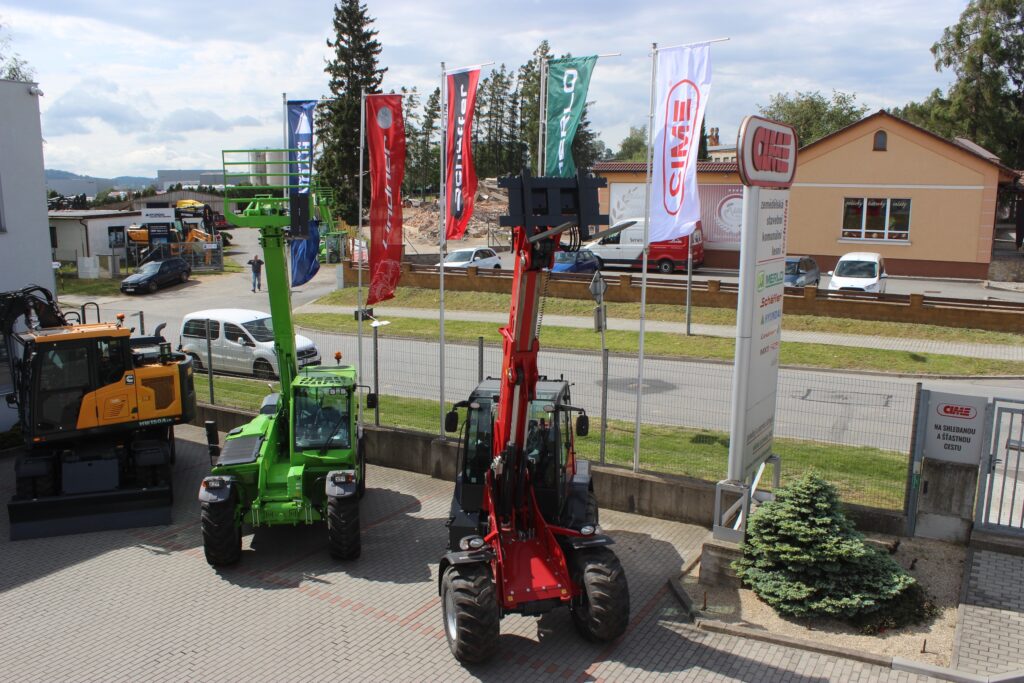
(156,274)
(582,261)
(801,271)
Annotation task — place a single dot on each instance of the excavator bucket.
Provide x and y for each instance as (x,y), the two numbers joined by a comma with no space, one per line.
(79,513)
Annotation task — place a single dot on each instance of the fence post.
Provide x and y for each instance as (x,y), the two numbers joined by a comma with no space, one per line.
(209,361)
(479,359)
(604,400)
(910,493)
(376,383)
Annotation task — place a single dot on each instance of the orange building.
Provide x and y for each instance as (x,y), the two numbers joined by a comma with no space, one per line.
(926,204)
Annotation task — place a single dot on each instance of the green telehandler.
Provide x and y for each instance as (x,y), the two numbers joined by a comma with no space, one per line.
(301,460)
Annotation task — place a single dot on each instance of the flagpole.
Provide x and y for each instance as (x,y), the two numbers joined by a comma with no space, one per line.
(643,277)
(542,122)
(359,235)
(441,218)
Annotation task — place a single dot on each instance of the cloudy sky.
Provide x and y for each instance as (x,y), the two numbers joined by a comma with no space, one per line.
(132,87)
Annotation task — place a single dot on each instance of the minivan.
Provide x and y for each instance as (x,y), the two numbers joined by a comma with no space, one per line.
(241,341)
(859,271)
(626,249)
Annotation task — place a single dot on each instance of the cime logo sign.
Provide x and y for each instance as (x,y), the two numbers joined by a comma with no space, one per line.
(767,153)
(951,410)
(681,107)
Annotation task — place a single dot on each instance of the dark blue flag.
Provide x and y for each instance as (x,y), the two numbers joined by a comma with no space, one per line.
(305,252)
(300,142)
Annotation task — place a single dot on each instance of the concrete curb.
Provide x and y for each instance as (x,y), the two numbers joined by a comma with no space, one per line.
(894,663)
(799,643)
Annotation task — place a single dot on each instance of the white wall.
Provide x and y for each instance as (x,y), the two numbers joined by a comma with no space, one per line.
(25,246)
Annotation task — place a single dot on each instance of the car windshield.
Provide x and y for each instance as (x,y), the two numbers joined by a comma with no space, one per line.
(149,268)
(262,330)
(322,418)
(564,257)
(459,256)
(857,269)
(792,267)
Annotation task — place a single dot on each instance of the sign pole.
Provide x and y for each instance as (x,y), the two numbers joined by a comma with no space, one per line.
(359,235)
(643,276)
(442,207)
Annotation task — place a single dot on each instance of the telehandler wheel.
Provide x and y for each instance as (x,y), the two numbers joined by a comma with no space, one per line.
(470,610)
(601,612)
(343,528)
(222,534)
(361,486)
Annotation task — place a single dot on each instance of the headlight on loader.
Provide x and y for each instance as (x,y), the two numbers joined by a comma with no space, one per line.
(471,543)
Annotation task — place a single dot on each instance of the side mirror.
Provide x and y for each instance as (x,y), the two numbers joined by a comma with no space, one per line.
(451,421)
(371,401)
(830,272)
(582,425)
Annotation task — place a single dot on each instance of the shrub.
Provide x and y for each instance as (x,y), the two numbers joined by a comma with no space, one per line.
(803,557)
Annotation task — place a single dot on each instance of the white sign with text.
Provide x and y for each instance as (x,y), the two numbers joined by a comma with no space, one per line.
(955,430)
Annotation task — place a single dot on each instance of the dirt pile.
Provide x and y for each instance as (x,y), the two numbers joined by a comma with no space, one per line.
(420,217)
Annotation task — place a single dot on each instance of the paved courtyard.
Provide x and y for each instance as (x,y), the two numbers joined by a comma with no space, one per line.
(143,605)
(990,635)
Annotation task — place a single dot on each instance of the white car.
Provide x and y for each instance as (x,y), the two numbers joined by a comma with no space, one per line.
(861,271)
(241,342)
(479,257)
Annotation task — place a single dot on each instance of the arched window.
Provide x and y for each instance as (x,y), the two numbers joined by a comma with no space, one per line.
(881,141)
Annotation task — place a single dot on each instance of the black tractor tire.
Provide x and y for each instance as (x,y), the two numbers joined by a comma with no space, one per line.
(222,534)
(601,612)
(361,486)
(343,528)
(470,611)
(261,369)
(666,267)
(333,257)
(593,512)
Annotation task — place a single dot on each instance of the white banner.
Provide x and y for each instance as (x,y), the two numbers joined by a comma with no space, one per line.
(684,82)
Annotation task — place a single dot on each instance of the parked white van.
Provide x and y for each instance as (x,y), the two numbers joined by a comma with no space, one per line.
(241,341)
(626,249)
(861,271)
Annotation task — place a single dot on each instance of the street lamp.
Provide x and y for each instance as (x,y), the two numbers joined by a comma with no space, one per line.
(376,325)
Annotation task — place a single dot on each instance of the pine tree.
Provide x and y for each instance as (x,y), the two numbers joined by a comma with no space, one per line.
(353,69)
(587,147)
(702,149)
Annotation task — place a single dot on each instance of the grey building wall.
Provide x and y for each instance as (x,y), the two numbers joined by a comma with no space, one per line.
(24,230)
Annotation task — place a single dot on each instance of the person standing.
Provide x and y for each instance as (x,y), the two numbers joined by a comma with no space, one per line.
(256,263)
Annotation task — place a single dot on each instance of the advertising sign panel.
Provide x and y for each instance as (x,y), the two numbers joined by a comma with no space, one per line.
(955,428)
(763,146)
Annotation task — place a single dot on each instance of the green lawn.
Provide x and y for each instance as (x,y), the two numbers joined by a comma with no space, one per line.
(669,344)
(412,297)
(67,284)
(867,476)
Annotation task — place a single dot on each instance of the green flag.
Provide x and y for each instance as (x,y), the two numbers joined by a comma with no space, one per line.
(568,80)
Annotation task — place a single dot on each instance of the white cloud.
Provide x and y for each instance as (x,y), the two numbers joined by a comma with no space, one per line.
(131,88)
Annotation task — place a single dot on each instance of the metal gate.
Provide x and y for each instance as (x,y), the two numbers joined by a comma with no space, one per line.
(1001,484)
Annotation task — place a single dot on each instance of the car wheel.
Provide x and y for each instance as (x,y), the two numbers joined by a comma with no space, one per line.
(600,264)
(665,266)
(196,363)
(151,287)
(497,266)
(261,369)
(184,277)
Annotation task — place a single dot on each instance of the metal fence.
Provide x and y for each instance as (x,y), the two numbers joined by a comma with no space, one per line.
(201,256)
(855,430)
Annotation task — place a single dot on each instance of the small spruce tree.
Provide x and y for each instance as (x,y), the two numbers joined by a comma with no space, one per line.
(804,558)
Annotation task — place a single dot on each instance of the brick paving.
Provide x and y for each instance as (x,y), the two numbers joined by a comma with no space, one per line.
(143,605)
(990,634)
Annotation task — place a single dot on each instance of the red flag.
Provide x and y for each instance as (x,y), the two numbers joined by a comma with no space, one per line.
(385,135)
(460,176)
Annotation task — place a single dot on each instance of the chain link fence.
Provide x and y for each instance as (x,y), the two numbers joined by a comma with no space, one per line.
(854,429)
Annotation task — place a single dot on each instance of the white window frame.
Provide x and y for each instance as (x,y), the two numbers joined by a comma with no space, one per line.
(864,217)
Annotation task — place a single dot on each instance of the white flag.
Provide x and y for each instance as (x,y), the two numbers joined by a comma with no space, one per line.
(684,82)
